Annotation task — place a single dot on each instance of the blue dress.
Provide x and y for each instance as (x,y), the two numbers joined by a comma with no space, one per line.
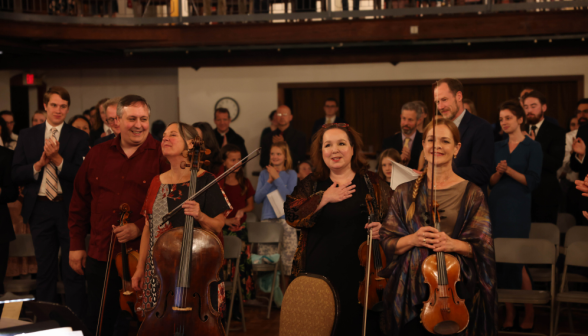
(510,201)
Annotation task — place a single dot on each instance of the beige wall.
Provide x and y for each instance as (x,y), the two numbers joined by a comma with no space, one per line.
(87,87)
(256,88)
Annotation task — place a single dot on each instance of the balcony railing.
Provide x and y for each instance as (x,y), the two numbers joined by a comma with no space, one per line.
(168,12)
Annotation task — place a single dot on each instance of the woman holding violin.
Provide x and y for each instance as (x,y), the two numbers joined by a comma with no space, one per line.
(464,234)
(166,192)
(329,206)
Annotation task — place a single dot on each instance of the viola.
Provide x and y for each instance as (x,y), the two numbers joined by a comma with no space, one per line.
(126,264)
(125,267)
(371,256)
(444,313)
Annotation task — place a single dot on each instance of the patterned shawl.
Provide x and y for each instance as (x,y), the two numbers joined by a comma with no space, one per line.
(300,209)
(406,289)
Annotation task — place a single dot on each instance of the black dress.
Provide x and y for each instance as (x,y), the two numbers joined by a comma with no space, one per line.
(332,248)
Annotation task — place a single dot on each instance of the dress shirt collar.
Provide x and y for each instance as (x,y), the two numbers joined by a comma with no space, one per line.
(49,127)
(106,128)
(539,124)
(150,143)
(411,137)
(458,120)
(330,120)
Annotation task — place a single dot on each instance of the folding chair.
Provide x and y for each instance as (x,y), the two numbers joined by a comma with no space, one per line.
(551,233)
(233,251)
(527,251)
(576,256)
(21,247)
(266,232)
(314,295)
(565,221)
(575,234)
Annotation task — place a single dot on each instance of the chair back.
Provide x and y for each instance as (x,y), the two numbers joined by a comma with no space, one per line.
(524,251)
(315,297)
(577,254)
(565,221)
(546,231)
(576,234)
(232,247)
(264,232)
(22,246)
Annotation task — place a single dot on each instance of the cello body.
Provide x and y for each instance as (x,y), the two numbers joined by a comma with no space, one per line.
(444,313)
(185,309)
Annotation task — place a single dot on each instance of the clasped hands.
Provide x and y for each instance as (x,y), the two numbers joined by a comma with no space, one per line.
(502,167)
(431,238)
(273,174)
(50,154)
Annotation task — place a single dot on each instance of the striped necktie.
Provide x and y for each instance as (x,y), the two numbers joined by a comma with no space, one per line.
(51,182)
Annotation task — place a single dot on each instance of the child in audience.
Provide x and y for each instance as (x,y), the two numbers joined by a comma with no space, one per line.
(304,169)
(240,193)
(385,163)
(280,176)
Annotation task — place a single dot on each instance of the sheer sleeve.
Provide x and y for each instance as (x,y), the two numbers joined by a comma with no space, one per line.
(300,207)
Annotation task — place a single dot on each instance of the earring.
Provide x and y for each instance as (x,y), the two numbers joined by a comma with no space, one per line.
(455,156)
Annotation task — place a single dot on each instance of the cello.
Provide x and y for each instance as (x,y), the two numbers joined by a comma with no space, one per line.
(372,257)
(187,261)
(444,313)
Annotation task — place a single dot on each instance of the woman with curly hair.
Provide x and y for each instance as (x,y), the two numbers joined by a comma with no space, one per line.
(329,207)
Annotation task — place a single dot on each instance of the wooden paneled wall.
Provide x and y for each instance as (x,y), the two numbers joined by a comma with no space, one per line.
(373,108)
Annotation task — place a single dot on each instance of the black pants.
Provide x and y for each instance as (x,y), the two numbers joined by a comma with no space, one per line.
(115,320)
(4,249)
(49,231)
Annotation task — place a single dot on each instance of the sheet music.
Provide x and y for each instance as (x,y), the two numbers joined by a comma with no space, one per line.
(401,174)
(277,202)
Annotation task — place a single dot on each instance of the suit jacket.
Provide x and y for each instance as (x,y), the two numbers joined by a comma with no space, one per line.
(232,138)
(320,122)
(104,139)
(575,165)
(73,146)
(8,194)
(396,142)
(475,160)
(295,139)
(553,143)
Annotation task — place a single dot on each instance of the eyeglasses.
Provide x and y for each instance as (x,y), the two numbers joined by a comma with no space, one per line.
(340,125)
(330,106)
(282,114)
(110,120)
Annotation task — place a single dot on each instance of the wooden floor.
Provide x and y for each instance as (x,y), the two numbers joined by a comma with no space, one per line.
(256,322)
(258,325)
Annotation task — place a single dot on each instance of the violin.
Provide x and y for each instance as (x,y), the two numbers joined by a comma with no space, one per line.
(444,313)
(125,267)
(372,257)
(126,264)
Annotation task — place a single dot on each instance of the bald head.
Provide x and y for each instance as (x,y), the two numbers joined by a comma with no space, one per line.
(284,116)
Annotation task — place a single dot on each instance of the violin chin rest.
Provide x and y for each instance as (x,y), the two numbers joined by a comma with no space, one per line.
(446,328)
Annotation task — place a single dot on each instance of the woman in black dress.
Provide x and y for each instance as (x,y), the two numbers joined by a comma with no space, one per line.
(329,206)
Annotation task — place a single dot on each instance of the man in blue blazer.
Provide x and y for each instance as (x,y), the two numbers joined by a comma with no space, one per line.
(8,194)
(331,108)
(46,160)
(475,160)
